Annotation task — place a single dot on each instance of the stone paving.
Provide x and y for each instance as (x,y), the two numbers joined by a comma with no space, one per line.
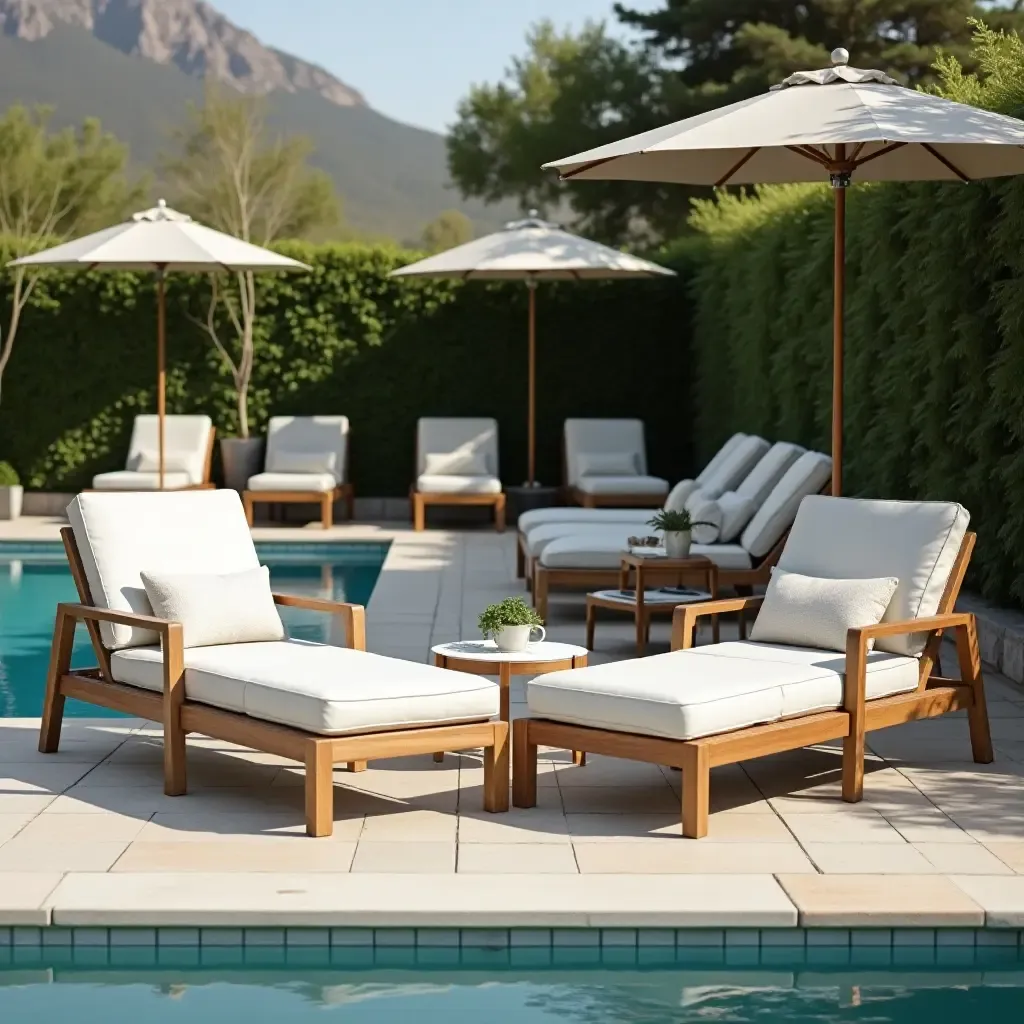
(937,840)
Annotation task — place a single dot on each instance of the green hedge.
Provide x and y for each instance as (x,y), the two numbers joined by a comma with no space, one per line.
(934,349)
(346,339)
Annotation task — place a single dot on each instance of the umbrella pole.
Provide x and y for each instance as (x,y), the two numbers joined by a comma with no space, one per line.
(531,426)
(839,275)
(161,371)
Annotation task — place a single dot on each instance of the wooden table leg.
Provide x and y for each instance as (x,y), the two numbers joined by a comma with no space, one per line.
(640,614)
(713,587)
(579,757)
(505,682)
(591,625)
(440,661)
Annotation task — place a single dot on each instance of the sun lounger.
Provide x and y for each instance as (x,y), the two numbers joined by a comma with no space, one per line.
(188,454)
(222,665)
(811,677)
(457,464)
(606,464)
(306,462)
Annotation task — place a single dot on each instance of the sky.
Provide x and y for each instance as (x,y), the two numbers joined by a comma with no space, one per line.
(413,60)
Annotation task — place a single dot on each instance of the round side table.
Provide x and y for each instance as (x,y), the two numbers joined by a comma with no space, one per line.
(482,658)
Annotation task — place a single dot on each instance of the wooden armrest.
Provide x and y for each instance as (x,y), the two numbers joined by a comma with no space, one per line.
(948,621)
(684,618)
(352,615)
(86,613)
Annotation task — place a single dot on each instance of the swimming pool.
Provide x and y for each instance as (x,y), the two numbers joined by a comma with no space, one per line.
(35,577)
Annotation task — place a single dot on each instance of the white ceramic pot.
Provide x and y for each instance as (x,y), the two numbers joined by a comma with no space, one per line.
(10,501)
(677,543)
(514,639)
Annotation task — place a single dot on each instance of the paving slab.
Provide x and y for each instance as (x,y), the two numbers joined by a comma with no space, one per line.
(1001,898)
(23,896)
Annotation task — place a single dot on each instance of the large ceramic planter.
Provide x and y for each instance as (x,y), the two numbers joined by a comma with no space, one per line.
(241,458)
(677,543)
(10,501)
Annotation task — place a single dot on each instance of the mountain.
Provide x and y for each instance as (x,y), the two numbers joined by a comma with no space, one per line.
(138,64)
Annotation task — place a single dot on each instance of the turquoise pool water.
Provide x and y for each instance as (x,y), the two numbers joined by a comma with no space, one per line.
(35,577)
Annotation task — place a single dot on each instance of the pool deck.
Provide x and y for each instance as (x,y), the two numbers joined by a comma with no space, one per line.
(87,837)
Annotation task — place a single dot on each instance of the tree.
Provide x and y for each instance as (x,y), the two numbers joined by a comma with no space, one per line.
(54,185)
(447,230)
(233,175)
(998,84)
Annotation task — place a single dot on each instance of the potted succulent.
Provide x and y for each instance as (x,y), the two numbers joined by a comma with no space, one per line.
(11,492)
(678,530)
(510,624)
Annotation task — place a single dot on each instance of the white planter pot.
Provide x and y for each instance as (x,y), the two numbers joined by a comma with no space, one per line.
(10,501)
(677,544)
(514,639)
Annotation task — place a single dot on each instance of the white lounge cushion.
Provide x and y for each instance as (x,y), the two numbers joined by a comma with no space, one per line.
(607,436)
(575,515)
(915,541)
(186,443)
(606,464)
(322,689)
(119,535)
(458,463)
(814,612)
(458,484)
(315,482)
(615,533)
(737,511)
(604,551)
(598,485)
(716,460)
(466,434)
(677,497)
(708,690)
(290,436)
(148,461)
(770,469)
(808,475)
(735,466)
(130,480)
(214,609)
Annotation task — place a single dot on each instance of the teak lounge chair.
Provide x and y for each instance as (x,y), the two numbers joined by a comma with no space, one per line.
(306,462)
(457,464)
(697,708)
(606,464)
(314,703)
(188,455)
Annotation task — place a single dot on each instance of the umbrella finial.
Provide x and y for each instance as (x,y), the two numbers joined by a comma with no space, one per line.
(161,212)
(840,55)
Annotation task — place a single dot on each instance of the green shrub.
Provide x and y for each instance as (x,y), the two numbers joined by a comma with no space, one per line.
(8,475)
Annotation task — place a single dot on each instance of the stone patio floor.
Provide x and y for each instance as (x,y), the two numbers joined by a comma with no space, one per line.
(87,836)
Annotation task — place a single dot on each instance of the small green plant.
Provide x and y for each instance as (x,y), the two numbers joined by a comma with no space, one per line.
(670,521)
(513,611)
(8,475)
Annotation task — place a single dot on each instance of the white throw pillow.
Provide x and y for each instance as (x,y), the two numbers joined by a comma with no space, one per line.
(812,612)
(235,608)
(304,462)
(607,464)
(706,512)
(454,464)
(737,511)
(676,500)
(148,461)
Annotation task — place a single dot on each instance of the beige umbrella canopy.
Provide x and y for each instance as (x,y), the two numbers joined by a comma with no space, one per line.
(838,125)
(160,240)
(532,250)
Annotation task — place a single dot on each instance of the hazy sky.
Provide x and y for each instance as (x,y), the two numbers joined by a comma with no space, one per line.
(412,59)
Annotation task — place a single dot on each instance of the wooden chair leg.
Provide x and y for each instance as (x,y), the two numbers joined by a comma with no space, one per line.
(438,756)
(319,789)
(326,510)
(356,766)
(499,514)
(175,780)
(520,561)
(540,591)
(60,663)
(591,626)
(496,770)
(696,783)
(969,657)
(247,501)
(419,519)
(579,758)
(524,765)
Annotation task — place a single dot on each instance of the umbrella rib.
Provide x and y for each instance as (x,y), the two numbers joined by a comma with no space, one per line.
(885,151)
(586,167)
(946,163)
(809,153)
(739,163)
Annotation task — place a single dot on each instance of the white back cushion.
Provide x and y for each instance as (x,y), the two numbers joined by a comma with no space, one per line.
(850,538)
(308,435)
(464,435)
(717,458)
(121,535)
(761,480)
(680,494)
(186,442)
(737,511)
(735,467)
(606,464)
(594,437)
(808,475)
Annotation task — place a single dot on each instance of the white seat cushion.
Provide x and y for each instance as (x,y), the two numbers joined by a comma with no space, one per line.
(458,485)
(708,690)
(575,515)
(615,533)
(321,689)
(598,485)
(186,444)
(290,436)
(597,550)
(319,482)
(131,480)
(849,538)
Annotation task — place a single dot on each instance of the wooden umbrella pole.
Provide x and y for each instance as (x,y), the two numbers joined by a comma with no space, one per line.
(531,425)
(839,275)
(161,367)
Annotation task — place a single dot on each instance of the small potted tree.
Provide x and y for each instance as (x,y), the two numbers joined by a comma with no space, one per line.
(11,492)
(678,530)
(510,624)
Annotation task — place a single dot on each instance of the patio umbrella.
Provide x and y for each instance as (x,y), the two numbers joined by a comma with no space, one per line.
(532,250)
(835,125)
(161,240)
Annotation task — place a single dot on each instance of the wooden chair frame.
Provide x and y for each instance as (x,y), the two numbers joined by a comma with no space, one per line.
(935,695)
(325,499)
(421,499)
(181,716)
(205,485)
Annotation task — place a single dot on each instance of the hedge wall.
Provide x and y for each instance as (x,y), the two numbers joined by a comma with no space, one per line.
(346,339)
(934,350)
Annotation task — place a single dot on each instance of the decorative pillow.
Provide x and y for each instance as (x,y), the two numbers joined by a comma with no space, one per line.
(236,608)
(148,461)
(676,500)
(458,463)
(607,464)
(707,512)
(304,462)
(812,612)
(737,511)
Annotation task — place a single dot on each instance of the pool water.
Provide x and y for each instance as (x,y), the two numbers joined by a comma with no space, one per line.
(35,577)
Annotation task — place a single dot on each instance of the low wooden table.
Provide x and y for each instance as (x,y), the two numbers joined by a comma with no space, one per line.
(482,658)
(643,567)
